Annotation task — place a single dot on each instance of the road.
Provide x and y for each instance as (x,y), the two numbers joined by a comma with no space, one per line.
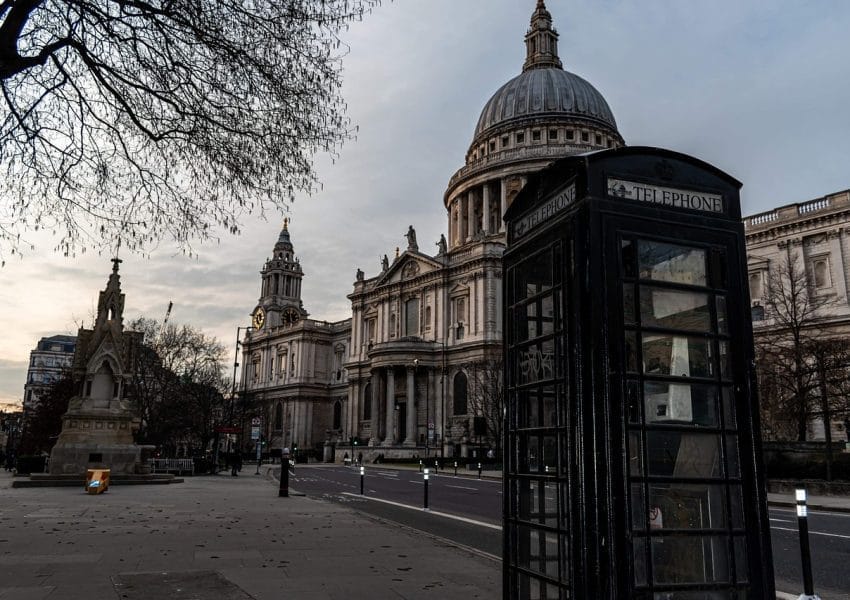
(467,511)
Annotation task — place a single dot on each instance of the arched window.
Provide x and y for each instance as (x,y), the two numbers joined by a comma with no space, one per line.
(337,415)
(278,417)
(427,317)
(411,310)
(367,402)
(460,403)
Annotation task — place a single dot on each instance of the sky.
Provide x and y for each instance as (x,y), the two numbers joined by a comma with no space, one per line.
(760,89)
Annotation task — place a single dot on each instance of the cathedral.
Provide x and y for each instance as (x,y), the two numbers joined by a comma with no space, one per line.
(416,370)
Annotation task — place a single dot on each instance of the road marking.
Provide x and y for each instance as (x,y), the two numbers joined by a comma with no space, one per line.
(838,535)
(433,512)
(781,520)
(812,511)
(462,487)
(388,473)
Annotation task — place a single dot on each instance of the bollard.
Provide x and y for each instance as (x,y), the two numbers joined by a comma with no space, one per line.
(420,465)
(362,473)
(455,468)
(436,466)
(283,492)
(479,470)
(425,476)
(805,553)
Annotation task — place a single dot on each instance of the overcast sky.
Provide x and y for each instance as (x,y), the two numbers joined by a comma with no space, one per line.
(761,89)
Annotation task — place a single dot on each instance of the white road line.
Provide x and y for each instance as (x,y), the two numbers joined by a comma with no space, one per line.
(838,535)
(386,473)
(781,520)
(812,511)
(433,512)
(462,487)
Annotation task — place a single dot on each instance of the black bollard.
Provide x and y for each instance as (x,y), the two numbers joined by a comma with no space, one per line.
(283,492)
(479,470)
(805,552)
(425,475)
(455,468)
(362,473)
(420,466)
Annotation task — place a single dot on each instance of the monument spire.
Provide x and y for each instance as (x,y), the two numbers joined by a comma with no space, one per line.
(541,41)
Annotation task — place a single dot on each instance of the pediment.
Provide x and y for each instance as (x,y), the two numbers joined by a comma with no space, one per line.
(409,265)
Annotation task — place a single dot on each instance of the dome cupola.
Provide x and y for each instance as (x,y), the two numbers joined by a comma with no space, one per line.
(543,114)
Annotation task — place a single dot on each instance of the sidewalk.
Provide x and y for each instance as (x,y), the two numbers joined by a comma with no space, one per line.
(219,538)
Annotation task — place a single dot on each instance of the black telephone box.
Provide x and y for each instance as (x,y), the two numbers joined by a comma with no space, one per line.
(633,459)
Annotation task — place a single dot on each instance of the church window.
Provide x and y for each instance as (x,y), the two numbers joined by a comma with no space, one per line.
(505,141)
(460,310)
(427,317)
(411,309)
(371,328)
(598,140)
(755,285)
(367,402)
(281,365)
(255,368)
(115,389)
(553,134)
(337,415)
(520,138)
(757,312)
(492,145)
(535,135)
(585,136)
(571,134)
(820,271)
(88,388)
(459,404)
(292,364)
(278,417)
(392,325)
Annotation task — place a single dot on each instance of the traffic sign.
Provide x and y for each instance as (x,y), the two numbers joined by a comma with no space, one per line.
(255,421)
(255,433)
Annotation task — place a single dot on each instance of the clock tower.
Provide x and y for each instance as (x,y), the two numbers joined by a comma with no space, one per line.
(280,294)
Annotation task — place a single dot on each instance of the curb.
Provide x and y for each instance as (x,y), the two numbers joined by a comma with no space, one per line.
(820,507)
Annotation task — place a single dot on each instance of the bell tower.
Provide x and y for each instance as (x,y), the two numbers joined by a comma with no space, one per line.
(280,293)
(541,41)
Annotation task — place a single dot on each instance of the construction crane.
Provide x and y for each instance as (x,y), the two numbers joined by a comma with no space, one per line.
(165,320)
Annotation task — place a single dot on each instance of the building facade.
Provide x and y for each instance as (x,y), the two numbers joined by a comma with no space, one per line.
(48,361)
(812,239)
(409,373)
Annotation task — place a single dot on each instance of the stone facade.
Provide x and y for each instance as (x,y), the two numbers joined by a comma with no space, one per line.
(816,235)
(97,430)
(401,376)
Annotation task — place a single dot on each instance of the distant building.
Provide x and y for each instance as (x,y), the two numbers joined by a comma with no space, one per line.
(52,356)
(816,235)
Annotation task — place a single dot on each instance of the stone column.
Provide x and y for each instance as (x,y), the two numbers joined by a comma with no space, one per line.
(459,236)
(439,407)
(470,215)
(374,438)
(503,203)
(390,437)
(485,209)
(410,438)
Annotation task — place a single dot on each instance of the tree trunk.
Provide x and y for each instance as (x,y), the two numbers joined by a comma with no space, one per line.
(827,420)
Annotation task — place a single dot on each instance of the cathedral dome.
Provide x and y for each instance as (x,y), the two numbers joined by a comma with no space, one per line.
(541,93)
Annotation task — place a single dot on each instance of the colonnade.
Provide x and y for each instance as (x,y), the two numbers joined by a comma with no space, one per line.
(477,209)
(385,425)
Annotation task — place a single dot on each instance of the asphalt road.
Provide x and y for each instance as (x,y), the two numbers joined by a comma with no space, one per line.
(476,506)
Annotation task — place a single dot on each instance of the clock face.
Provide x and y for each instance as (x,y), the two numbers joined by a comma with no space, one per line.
(259,318)
(290,316)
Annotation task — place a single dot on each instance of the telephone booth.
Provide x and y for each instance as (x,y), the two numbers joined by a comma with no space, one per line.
(633,461)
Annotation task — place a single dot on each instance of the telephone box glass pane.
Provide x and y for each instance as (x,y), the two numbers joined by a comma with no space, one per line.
(680,403)
(683,455)
(674,309)
(672,263)
(679,355)
(688,506)
(534,277)
(690,559)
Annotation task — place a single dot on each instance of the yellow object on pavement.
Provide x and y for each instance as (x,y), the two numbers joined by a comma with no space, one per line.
(97,481)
